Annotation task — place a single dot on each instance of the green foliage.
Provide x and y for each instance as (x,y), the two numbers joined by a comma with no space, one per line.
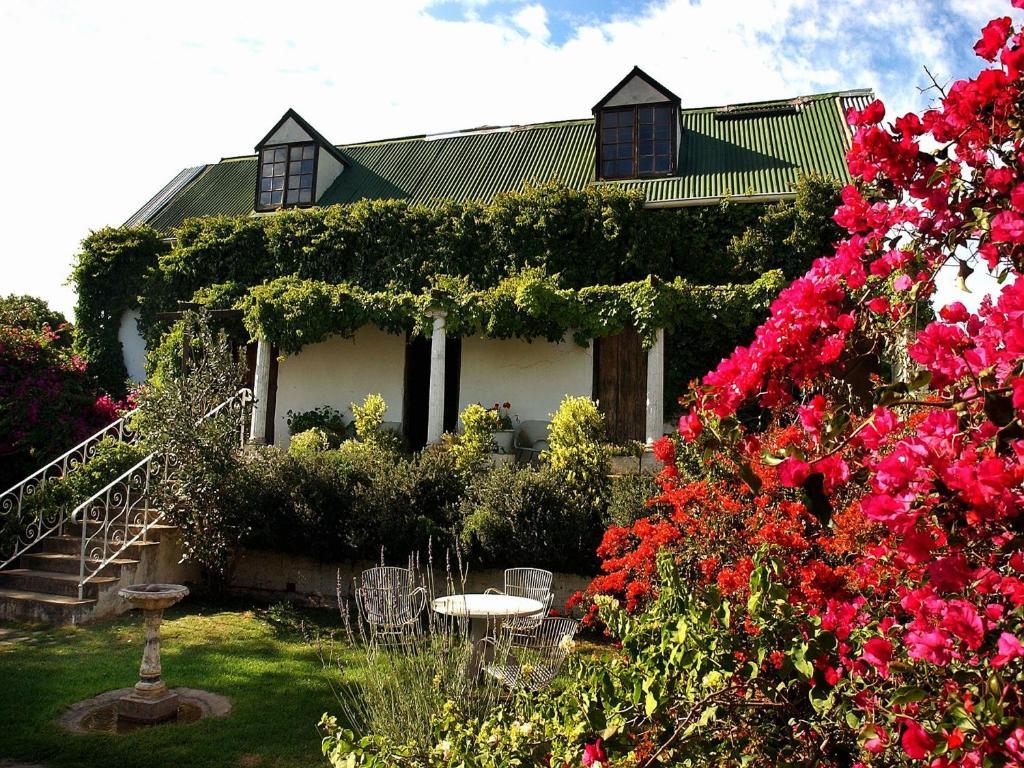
(577,454)
(524,516)
(472,447)
(790,236)
(627,499)
(110,272)
(394,250)
(310,441)
(325,418)
(199,495)
(369,417)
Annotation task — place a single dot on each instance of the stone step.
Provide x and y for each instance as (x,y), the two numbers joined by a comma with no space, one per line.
(26,605)
(72,545)
(48,583)
(60,562)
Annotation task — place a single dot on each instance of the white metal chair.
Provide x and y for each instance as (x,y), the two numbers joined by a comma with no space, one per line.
(391,604)
(534,583)
(533,662)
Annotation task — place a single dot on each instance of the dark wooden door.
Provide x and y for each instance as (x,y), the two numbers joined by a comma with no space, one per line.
(620,385)
(415,402)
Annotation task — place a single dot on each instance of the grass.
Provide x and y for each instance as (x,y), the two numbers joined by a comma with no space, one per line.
(257,658)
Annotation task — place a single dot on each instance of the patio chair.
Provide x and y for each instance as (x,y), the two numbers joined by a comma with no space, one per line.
(530,440)
(391,604)
(534,583)
(531,663)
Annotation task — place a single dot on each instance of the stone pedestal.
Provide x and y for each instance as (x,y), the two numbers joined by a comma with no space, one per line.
(150,701)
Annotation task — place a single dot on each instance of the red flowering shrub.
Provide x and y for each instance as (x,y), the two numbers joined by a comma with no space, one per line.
(48,400)
(894,504)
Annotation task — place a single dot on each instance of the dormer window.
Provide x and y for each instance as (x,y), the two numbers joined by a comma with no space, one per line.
(295,165)
(287,175)
(637,141)
(638,129)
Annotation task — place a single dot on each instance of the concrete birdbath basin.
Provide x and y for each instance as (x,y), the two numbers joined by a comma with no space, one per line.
(151,701)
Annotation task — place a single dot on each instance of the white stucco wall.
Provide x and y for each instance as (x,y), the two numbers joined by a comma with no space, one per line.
(338,372)
(133,346)
(290,131)
(534,377)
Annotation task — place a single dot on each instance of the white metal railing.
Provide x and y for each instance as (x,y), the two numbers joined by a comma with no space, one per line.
(43,522)
(119,515)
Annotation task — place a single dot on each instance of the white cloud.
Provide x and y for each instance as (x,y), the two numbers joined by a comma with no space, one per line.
(533,20)
(106,101)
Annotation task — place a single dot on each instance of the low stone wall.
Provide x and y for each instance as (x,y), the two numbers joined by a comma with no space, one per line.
(274,576)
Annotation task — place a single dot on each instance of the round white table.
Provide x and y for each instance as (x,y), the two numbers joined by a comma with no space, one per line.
(482,610)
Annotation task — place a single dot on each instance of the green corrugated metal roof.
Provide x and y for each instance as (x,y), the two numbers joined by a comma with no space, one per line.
(750,150)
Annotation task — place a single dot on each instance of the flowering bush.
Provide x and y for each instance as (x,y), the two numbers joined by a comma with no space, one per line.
(48,400)
(889,493)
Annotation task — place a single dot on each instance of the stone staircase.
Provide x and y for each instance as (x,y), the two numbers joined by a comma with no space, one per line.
(44,585)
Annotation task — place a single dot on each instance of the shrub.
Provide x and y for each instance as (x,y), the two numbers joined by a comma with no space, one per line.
(627,499)
(524,516)
(472,447)
(313,440)
(577,454)
(325,418)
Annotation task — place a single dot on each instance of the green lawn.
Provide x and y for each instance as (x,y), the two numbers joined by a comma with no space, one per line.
(257,658)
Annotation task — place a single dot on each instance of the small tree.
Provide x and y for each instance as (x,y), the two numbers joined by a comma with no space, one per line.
(199,493)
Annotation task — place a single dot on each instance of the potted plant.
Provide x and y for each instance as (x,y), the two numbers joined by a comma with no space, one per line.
(506,427)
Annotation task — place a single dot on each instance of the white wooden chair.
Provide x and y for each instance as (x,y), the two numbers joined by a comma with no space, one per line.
(532,662)
(534,583)
(391,604)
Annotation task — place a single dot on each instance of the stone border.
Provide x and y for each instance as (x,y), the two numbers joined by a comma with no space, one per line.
(211,705)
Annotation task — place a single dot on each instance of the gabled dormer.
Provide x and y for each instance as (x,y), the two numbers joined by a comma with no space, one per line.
(296,165)
(637,126)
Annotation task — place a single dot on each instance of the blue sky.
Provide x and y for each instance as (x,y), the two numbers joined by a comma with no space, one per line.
(106,101)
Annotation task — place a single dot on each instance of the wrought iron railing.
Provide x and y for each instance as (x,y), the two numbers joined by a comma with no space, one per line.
(120,514)
(28,525)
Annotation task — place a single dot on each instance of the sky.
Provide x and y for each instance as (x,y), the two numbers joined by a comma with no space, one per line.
(104,102)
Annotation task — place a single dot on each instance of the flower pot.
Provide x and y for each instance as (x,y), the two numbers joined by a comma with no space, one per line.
(503,440)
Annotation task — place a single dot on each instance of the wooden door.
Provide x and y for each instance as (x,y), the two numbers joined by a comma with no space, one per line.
(620,385)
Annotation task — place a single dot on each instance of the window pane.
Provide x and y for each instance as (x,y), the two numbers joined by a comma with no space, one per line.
(264,198)
(646,164)
(661,164)
(293,196)
(626,133)
(610,119)
(608,135)
(607,168)
(307,181)
(661,148)
(307,166)
(645,132)
(294,166)
(279,169)
(278,182)
(645,115)
(276,197)
(295,153)
(293,182)
(268,169)
(624,168)
(280,154)
(305,195)
(646,148)
(662,114)
(265,185)
(307,152)
(663,131)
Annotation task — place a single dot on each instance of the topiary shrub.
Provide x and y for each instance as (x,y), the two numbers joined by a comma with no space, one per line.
(577,453)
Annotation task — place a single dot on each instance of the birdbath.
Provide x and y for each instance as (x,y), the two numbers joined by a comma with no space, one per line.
(150,701)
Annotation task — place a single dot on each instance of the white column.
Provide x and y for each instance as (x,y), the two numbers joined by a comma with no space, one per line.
(435,406)
(656,387)
(261,392)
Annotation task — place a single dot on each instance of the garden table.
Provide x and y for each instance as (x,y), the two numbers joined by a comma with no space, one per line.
(481,610)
